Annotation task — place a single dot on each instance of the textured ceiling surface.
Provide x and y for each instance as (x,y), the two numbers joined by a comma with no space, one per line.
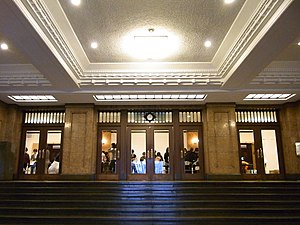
(254,49)
(193,21)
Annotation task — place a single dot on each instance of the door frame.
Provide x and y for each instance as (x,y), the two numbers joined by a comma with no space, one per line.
(42,145)
(110,176)
(258,146)
(150,128)
(180,153)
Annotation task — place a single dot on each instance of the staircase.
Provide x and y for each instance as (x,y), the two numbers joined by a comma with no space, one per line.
(141,203)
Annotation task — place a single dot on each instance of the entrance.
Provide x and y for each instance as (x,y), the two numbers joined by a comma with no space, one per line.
(150,153)
(191,153)
(260,153)
(42,150)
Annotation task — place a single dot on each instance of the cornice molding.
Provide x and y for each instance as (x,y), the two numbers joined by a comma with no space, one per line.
(247,40)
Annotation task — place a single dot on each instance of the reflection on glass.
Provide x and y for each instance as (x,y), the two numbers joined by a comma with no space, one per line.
(31,152)
(52,153)
(191,151)
(138,152)
(161,149)
(109,152)
(247,152)
(270,154)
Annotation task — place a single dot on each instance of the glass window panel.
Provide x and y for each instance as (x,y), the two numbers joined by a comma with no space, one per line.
(191,151)
(138,152)
(247,152)
(31,148)
(269,144)
(161,149)
(109,151)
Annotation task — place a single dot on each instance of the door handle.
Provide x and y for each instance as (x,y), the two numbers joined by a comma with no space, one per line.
(118,154)
(258,153)
(261,153)
(152,153)
(181,153)
(148,153)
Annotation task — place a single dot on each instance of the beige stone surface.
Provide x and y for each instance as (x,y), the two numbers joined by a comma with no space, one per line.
(220,140)
(79,155)
(290,132)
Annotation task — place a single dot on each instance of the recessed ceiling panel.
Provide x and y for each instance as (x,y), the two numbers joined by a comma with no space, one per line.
(192,22)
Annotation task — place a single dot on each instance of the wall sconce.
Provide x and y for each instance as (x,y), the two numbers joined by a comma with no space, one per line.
(104,141)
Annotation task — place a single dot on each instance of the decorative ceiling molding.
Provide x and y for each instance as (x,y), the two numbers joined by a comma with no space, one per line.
(253,27)
(217,76)
(280,72)
(21,75)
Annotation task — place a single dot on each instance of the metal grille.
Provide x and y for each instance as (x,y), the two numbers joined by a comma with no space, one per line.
(44,117)
(159,117)
(256,116)
(109,117)
(190,117)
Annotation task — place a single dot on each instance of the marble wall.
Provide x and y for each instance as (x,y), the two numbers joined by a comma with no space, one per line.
(220,140)
(10,139)
(79,144)
(290,132)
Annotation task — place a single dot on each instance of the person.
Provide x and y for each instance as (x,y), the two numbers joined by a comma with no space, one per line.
(113,157)
(191,156)
(33,161)
(26,160)
(54,167)
(133,162)
(159,157)
(143,157)
(167,155)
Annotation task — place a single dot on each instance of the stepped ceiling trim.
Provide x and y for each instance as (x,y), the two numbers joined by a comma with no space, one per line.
(45,24)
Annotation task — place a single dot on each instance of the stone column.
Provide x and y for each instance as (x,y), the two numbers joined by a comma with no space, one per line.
(290,133)
(10,136)
(220,141)
(80,140)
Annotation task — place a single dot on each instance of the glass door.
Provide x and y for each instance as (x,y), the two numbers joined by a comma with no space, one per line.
(150,153)
(109,153)
(41,152)
(191,153)
(259,153)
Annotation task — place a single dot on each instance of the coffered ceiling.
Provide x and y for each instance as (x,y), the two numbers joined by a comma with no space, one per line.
(254,50)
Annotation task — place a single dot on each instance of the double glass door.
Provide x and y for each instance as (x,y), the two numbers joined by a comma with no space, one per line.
(41,151)
(260,153)
(150,153)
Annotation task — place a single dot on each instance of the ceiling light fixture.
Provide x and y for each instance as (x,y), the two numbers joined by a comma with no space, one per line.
(228,1)
(94,45)
(152,97)
(207,44)
(299,43)
(150,44)
(269,96)
(76,2)
(4,46)
(32,98)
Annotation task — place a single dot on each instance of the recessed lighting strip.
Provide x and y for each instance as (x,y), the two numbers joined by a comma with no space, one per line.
(283,97)
(32,98)
(150,97)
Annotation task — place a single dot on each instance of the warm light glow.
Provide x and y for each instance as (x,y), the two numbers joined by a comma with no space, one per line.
(32,98)
(104,141)
(207,44)
(146,45)
(76,2)
(4,46)
(94,44)
(195,140)
(228,1)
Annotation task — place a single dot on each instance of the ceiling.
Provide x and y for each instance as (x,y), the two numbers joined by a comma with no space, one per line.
(254,50)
